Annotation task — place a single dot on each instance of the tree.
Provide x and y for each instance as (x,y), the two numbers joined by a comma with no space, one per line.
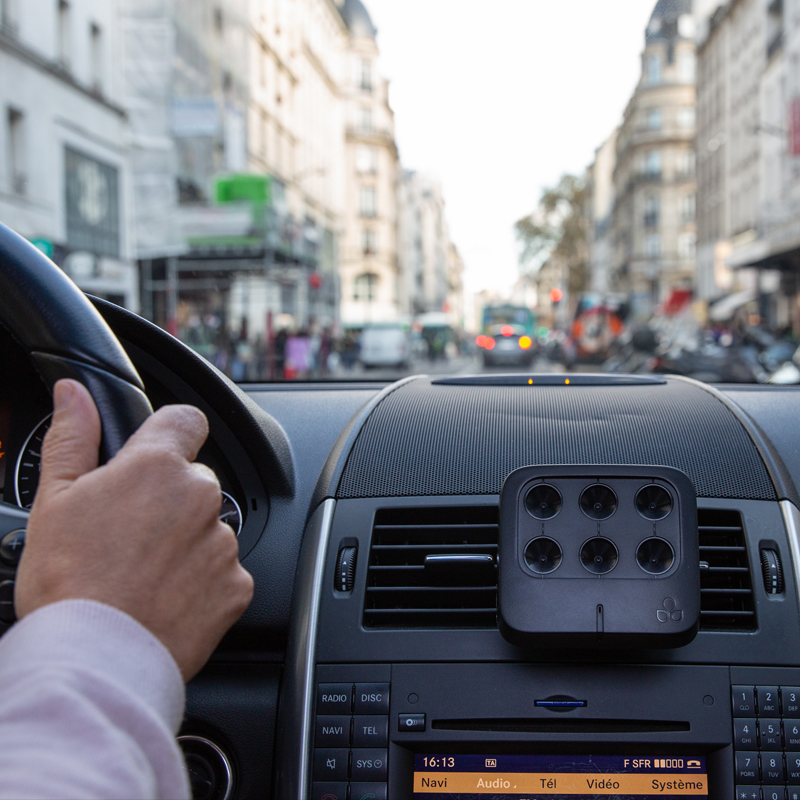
(558,230)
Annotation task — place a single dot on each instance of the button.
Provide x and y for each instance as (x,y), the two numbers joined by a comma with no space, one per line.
(745,734)
(329,791)
(372,698)
(772,767)
(330,764)
(367,791)
(768,703)
(370,731)
(369,765)
(7,602)
(793,768)
(744,701)
(333,732)
(11,547)
(746,767)
(334,698)
(770,734)
(793,793)
(773,793)
(411,722)
(791,734)
(790,697)
(748,793)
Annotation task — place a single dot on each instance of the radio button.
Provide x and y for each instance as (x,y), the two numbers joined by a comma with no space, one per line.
(772,767)
(369,766)
(745,734)
(768,703)
(370,731)
(332,732)
(330,764)
(334,698)
(747,767)
(744,701)
(791,701)
(791,730)
(773,792)
(770,731)
(372,698)
(367,791)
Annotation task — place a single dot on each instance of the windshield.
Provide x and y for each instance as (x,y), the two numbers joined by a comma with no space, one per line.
(365,189)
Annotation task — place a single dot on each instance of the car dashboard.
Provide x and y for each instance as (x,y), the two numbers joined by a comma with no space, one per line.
(375,660)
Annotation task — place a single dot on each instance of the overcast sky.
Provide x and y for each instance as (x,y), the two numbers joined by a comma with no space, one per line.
(498,98)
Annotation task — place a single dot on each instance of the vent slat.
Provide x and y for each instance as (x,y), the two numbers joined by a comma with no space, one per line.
(726,589)
(403,593)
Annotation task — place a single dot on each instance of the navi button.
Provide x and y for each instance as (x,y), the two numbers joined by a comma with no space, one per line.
(768,704)
(744,701)
(332,732)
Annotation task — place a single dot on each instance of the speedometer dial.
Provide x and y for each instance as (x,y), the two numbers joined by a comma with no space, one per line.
(29,464)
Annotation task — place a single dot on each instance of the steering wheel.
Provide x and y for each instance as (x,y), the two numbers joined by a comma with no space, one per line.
(66,337)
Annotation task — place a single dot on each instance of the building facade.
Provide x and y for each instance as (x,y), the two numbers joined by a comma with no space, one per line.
(65,180)
(654,233)
(600,190)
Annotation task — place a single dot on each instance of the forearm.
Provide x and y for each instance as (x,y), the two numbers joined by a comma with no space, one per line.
(90,703)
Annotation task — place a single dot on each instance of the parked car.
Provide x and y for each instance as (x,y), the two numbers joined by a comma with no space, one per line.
(385,345)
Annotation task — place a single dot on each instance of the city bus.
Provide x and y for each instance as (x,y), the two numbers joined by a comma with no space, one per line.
(508,335)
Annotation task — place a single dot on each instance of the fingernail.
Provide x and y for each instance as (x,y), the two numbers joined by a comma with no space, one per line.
(62,395)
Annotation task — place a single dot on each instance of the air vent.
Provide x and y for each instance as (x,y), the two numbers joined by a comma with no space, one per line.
(433,568)
(726,586)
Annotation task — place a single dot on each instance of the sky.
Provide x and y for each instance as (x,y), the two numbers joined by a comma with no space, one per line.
(497,99)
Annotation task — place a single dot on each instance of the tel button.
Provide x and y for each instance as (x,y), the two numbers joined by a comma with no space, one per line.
(411,722)
(370,731)
(334,698)
(744,701)
(372,698)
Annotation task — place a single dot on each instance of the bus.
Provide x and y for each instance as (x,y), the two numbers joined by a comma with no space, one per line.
(508,335)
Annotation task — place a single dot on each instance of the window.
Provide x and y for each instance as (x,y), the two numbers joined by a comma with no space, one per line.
(16,151)
(686,117)
(365,119)
(288,298)
(366,160)
(365,75)
(688,207)
(652,206)
(365,287)
(652,245)
(685,164)
(64,35)
(687,67)
(686,245)
(96,52)
(652,163)
(653,70)
(368,202)
(369,242)
(654,119)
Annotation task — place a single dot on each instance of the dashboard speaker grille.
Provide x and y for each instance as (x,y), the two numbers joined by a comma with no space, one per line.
(433,568)
(726,587)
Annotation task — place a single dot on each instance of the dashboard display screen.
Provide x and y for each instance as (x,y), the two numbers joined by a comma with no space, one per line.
(469,777)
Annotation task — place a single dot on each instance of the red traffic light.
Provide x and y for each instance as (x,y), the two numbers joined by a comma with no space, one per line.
(556,295)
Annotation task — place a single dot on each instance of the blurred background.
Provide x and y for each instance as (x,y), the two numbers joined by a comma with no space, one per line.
(347,190)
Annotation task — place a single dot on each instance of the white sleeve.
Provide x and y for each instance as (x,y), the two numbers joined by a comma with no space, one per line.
(90,702)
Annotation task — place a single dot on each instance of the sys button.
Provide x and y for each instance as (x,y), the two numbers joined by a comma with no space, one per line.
(411,722)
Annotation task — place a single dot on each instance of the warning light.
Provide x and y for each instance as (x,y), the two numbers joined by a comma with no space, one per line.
(556,295)
(530,381)
(567,381)
(507,330)
(525,342)
(481,341)
(489,343)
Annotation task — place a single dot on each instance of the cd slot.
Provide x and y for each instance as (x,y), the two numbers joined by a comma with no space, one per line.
(561,725)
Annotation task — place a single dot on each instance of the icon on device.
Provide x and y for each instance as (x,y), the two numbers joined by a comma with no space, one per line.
(491,762)
(693,764)
(329,797)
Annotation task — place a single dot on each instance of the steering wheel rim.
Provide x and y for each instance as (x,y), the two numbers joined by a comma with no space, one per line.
(66,337)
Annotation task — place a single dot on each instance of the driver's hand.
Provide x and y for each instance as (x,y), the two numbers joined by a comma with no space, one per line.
(141,533)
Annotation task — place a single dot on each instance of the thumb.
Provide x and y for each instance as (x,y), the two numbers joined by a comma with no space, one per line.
(70,448)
